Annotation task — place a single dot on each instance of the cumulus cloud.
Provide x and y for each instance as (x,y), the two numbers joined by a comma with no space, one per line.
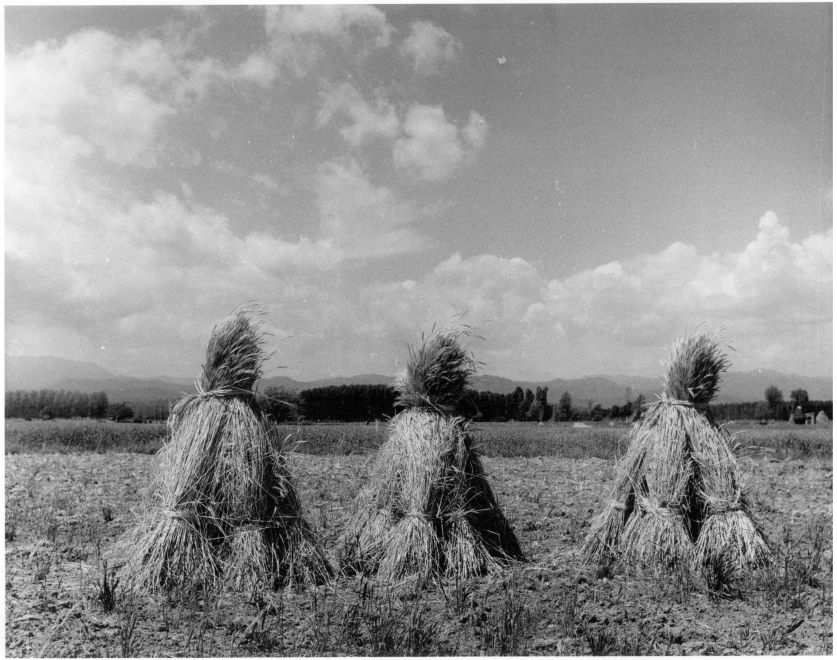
(362,220)
(365,121)
(299,34)
(772,298)
(94,93)
(259,69)
(108,268)
(99,94)
(432,147)
(100,263)
(475,131)
(430,48)
(426,145)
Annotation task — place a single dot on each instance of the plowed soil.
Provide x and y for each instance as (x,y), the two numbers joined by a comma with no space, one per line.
(63,512)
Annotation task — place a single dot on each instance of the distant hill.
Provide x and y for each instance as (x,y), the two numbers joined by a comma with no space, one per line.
(34,373)
(750,386)
(42,372)
(129,390)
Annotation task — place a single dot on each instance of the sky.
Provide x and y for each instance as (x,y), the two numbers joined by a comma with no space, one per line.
(580,184)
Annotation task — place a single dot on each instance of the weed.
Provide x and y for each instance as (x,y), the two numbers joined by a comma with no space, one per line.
(127,634)
(502,632)
(677,580)
(43,564)
(420,634)
(797,567)
(106,589)
(778,637)
(568,604)
(107,513)
(461,596)
(52,532)
(350,634)
(600,638)
(718,574)
(634,644)
(382,629)
(604,569)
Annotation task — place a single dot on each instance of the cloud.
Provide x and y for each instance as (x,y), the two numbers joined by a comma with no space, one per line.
(430,48)
(366,121)
(772,299)
(475,131)
(258,68)
(107,268)
(361,220)
(94,93)
(299,35)
(426,145)
(432,148)
(97,94)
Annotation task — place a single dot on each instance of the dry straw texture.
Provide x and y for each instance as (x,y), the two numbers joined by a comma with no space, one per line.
(429,509)
(677,496)
(224,509)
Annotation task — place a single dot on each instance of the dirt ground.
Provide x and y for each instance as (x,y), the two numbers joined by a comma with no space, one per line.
(63,512)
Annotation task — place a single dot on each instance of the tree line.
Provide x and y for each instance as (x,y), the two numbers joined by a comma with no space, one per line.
(56,403)
(774,407)
(366,403)
(357,403)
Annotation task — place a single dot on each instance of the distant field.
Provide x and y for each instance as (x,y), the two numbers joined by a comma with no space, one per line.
(494,439)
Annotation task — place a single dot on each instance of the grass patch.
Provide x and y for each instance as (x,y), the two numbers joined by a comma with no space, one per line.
(67,435)
(497,439)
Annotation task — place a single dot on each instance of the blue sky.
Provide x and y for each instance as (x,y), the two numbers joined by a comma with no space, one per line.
(582,182)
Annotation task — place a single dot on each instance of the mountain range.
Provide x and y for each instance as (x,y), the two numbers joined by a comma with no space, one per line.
(42,372)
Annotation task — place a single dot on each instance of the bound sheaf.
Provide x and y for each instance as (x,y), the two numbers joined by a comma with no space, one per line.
(429,509)
(677,496)
(223,510)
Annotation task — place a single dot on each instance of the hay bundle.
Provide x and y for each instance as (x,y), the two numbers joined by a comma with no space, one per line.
(429,509)
(224,508)
(677,495)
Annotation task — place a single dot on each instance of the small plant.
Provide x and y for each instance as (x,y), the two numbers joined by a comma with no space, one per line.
(634,644)
(350,634)
(127,634)
(719,574)
(462,595)
(107,513)
(798,566)
(106,589)
(778,637)
(604,567)
(43,564)
(502,633)
(600,638)
(11,531)
(419,635)
(382,629)
(568,604)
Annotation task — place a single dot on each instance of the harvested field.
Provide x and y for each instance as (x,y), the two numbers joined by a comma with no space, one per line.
(507,439)
(64,510)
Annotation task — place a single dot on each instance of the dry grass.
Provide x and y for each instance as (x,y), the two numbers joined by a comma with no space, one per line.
(677,497)
(437,370)
(224,510)
(429,509)
(694,368)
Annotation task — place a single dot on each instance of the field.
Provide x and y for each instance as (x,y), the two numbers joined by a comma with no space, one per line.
(71,488)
